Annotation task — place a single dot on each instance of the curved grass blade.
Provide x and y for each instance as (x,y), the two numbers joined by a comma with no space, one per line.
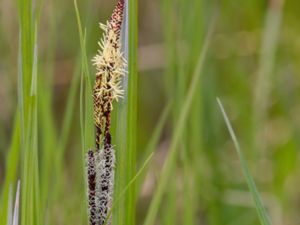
(263,216)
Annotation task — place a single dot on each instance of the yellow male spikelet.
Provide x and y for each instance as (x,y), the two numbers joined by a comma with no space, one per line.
(110,65)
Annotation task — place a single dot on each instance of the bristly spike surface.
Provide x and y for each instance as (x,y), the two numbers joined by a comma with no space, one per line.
(104,183)
(117,17)
(110,68)
(91,178)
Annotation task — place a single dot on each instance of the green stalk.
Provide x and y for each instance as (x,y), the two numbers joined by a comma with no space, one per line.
(30,178)
(130,196)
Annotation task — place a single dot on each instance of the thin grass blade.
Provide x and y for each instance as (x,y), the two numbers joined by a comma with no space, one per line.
(263,216)
(131,15)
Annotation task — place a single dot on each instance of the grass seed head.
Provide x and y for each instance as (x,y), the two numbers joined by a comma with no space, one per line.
(110,66)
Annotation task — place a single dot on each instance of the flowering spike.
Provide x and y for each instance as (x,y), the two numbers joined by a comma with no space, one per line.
(110,66)
(110,69)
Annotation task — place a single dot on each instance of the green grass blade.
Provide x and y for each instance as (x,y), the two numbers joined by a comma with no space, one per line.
(34,135)
(11,169)
(82,131)
(263,216)
(85,102)
(176,137)
(48,142)
(28,113)
(126,121)
(84,58)
(88,115)
(130,196)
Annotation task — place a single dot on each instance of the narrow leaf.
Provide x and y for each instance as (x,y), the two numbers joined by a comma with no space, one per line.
(263,216)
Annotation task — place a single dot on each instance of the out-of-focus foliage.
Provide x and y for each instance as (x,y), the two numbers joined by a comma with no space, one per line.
(252,65)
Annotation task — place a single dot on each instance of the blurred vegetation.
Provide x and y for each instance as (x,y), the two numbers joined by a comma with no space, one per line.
(252,64)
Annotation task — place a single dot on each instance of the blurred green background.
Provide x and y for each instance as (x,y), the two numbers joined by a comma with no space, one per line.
(252,65)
